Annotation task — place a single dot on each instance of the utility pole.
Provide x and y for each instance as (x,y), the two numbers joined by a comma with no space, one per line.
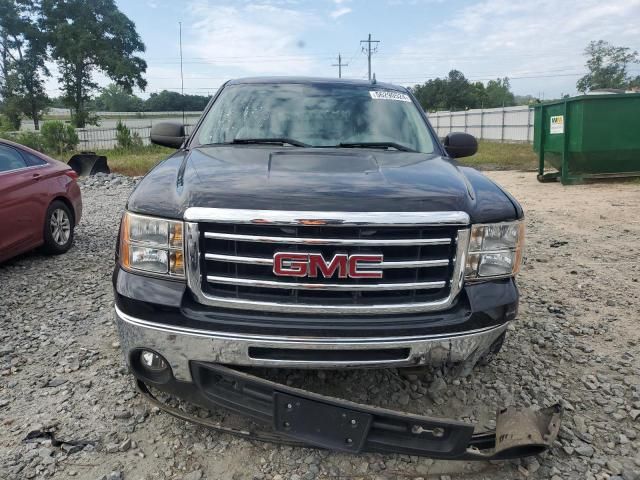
(340,65)
(368,50)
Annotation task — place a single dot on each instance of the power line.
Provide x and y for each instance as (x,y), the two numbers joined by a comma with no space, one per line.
(576,74)
(369,51)
(405,79)
(243,59)
(420,55)
(355,52)
(427,76)
(564,69)
(275,56)
(353,61)
(339,65)
(318,55)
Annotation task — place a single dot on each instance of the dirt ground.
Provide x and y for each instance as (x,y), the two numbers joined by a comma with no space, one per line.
(577,341)
(597,271)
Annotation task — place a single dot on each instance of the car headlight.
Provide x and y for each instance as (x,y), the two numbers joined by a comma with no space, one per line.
(152,245)
(495,250)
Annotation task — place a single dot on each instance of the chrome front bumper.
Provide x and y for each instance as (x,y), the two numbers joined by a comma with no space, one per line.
(180,345)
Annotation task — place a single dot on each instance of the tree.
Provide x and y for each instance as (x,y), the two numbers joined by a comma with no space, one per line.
(167,101)
(59,137)
(114,98)
(459,93)
(57,102)
(30,70)
(24,53)
(455,92)
(11,105)
(451,93)
(88,36)
(525,100)
(498,93)
(31,67)
(607,66)
(9,28)
(431,94)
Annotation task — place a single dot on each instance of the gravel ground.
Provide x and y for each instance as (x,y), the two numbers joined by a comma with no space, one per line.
(577,341)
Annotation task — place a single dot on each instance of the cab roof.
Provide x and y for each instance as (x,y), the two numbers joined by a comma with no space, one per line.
(315,80)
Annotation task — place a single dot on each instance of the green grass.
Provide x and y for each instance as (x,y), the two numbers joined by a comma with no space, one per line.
(136,161)
(490,156)
(503,156)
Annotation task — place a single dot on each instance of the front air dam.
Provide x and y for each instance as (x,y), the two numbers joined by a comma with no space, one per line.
(302,418)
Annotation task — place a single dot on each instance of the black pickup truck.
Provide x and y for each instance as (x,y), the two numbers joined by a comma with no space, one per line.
(316,223)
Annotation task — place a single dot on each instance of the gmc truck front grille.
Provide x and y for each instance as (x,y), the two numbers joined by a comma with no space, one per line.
(230,259)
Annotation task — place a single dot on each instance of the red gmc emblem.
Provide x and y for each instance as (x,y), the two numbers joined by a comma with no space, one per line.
(311,264)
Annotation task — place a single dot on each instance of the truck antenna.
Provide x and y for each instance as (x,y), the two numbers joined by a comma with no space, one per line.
(181,74)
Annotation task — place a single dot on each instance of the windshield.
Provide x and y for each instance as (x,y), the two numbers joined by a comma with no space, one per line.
(316,115)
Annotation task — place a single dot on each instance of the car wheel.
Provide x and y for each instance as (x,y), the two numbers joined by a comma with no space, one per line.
(58,228)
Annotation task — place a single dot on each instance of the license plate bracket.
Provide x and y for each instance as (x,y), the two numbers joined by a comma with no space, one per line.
(321,423)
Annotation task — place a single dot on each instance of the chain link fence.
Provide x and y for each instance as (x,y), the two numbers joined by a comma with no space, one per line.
(508,124)
(106,139)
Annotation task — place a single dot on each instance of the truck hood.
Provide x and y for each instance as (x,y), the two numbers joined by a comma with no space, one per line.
(289,178)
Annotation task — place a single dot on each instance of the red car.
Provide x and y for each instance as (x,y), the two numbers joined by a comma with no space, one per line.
(40,202)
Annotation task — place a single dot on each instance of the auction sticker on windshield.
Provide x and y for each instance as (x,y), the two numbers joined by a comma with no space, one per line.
(389,95)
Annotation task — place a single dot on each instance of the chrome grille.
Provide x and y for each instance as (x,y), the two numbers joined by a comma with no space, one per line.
(230,259)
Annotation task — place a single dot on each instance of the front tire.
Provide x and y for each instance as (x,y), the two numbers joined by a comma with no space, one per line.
(58,228)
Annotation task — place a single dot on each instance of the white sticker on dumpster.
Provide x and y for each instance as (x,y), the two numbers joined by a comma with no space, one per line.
(557,124)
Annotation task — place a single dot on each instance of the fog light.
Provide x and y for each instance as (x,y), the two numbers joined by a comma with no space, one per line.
(152,361)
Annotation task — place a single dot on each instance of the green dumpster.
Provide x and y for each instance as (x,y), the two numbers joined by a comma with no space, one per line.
(590,136)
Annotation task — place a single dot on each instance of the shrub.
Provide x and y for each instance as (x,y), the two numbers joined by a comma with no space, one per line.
(136,140)
(80,119)
(124,137)
(30,139)
(11,117)
(6,125)
(59,137)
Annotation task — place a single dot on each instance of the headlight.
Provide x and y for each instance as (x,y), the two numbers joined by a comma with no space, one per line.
(495,250)
(152,245)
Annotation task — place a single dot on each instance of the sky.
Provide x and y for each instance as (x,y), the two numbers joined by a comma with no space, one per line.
(539,44)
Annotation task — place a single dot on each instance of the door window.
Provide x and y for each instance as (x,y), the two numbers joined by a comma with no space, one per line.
(32,160)
(10,159)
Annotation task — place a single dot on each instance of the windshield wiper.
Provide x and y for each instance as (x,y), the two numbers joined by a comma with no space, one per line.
(257,141)
(395,145)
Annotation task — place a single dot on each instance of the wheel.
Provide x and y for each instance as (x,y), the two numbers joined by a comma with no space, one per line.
(58,228)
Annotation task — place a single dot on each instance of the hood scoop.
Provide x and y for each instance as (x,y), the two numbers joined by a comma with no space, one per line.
(329,163)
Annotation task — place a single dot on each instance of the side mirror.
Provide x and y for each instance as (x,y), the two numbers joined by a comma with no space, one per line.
(458,145)
(168,134)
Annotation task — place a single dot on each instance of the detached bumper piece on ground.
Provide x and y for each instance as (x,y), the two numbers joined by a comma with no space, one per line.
(88,163)
(303,418)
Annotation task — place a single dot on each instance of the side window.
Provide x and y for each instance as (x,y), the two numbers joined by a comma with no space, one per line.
(10,159)
(32,160)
